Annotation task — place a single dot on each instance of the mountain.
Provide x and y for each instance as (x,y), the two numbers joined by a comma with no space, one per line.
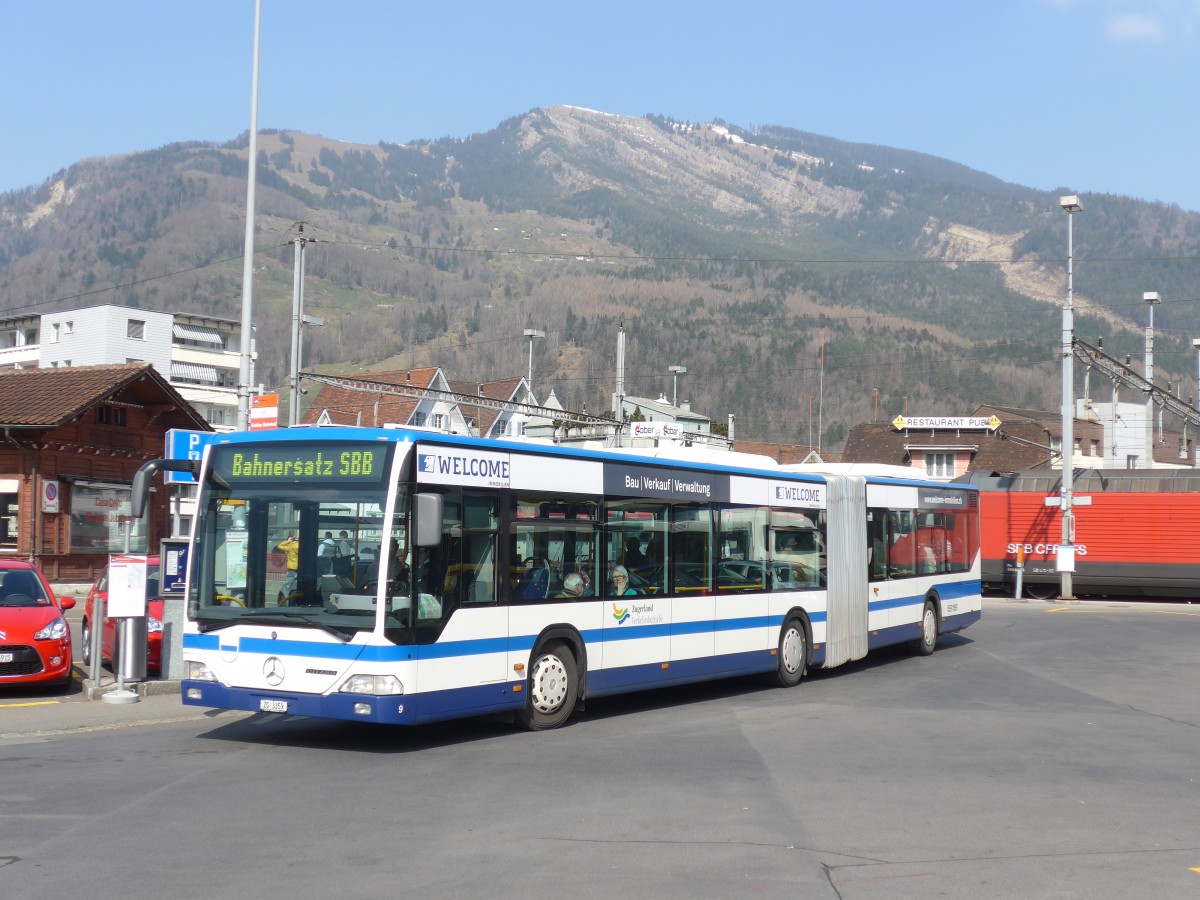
(806,283)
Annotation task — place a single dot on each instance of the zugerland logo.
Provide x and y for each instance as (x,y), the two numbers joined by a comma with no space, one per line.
(427,462)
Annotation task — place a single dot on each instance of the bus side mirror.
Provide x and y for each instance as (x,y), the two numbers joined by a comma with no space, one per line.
(143,480)
(427,512)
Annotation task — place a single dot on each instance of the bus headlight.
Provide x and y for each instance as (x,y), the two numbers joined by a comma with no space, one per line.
(375,685)
(198,671)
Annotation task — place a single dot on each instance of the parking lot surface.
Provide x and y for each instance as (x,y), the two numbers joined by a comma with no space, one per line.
(1049,751)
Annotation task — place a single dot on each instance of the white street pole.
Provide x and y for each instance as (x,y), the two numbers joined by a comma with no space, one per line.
(245,375)
(1071,206)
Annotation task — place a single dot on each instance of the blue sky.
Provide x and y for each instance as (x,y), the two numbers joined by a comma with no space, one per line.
(1089,95)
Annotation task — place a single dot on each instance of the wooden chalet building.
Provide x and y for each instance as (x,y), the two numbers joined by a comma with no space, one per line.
(71,440)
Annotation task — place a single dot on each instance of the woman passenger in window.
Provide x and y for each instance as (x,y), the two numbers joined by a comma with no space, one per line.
(620,583)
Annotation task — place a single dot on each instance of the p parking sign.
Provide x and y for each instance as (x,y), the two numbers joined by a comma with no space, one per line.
(183,444)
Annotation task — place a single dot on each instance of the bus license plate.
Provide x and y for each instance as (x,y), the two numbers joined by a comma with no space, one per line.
(272,705)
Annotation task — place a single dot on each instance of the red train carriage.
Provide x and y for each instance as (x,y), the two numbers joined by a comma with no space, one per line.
(1140,535)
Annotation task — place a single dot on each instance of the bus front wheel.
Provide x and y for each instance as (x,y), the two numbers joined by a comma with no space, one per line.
(793,654)
(929,630)
(551,690)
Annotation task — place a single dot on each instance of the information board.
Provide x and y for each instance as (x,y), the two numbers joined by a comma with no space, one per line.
(126,586)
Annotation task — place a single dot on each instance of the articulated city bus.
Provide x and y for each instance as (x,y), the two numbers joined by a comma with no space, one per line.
(439,576)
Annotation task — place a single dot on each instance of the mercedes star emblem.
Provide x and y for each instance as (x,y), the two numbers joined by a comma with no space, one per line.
(273,670)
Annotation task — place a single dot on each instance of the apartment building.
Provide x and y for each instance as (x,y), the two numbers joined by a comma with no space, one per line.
(200,356)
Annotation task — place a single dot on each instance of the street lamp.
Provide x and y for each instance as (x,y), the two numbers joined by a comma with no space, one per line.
(1152,300)
(532,333)
(246,366)
(676,371)
(1070,205)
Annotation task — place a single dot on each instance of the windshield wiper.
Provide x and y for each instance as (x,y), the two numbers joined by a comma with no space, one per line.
(281,618)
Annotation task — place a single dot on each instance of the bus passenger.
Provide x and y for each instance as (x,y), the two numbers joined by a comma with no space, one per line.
(572,586)
(326,551)
(634,557)
(620,583)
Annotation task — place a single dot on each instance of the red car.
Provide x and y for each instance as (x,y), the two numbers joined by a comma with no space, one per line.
(154,614)
(35,640)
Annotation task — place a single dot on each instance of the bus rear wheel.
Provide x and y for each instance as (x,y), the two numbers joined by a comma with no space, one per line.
(552,688)
(793,654)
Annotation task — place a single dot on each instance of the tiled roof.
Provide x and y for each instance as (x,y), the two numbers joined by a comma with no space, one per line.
(784,454)
(47,398)
(1016,412)
(664,409)
(502,389)
(1020,444)
(347,407)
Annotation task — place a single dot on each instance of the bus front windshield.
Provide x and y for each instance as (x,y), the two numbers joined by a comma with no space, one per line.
(295,534)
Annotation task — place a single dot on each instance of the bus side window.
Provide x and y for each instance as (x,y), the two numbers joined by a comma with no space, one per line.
(877,544)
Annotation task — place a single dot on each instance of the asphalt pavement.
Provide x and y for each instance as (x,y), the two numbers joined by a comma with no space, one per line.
(33,711)
(37,718)
(1047,751)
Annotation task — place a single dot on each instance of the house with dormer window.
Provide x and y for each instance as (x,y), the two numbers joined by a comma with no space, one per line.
(424,400)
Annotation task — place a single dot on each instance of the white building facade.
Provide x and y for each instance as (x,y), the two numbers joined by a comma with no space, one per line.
(1134,437)
(199,355)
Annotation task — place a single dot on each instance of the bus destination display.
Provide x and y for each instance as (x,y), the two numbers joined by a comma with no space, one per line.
(301,463)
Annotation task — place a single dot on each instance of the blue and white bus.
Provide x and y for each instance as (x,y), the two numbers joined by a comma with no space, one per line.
(403,576)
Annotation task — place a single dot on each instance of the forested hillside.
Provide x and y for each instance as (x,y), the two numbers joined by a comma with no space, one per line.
(747,255)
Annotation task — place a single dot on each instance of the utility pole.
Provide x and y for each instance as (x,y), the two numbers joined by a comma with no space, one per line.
(619,398)
(821,398)
(676,371)
(1070,206)
(532,333)
(1151,299)
(297,317)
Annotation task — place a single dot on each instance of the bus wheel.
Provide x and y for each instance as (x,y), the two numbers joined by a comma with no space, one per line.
(793,653)
(929,630)
(552,689)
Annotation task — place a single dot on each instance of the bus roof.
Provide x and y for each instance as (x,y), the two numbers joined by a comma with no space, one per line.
(685,457)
